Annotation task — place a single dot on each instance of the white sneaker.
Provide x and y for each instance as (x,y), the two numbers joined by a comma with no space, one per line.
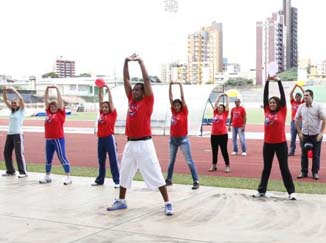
(292,196)
(67,180)
(96,184)
(259,195)
(22,175)
(116,186)
(46,179)
(227,169)
(234,153)
(244,154)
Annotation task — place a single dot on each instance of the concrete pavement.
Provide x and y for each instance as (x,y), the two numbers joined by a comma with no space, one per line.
(31,212)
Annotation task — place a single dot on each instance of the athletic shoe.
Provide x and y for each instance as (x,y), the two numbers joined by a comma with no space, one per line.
(244,154)
(227,169)
(22,175)
(67,180)
(118,205)
(195,185)
(168,209)
(259,195)
(292,196)
(116,185)
(46,179)
(315,176)
(302,175)
(96,184)
(168,182)
(234,153)
(8,174)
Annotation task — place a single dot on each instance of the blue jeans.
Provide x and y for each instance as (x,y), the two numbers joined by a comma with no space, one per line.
(241,132)
(183,143)
(315,154)
(294,133)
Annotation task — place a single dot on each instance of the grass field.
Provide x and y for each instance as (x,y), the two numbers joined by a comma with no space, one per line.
(214,181)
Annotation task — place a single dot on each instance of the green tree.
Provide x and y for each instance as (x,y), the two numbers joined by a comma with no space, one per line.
(50,75)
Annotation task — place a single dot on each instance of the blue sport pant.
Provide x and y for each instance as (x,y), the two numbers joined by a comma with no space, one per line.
(56,145)
(107,145)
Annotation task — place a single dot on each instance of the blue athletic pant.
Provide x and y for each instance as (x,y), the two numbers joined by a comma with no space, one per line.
(107,145)
(57,145)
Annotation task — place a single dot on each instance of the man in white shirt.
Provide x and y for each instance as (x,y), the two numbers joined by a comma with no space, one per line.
(313,120)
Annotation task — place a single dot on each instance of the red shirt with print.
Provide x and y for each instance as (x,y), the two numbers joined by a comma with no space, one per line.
(105,123)
(54,123)
(238,114)
(275,125)
(294,107)
(138,123)
(179,122)
(219,123)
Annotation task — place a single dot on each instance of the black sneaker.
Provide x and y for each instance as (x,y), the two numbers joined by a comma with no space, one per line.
(168,182)
(195,185)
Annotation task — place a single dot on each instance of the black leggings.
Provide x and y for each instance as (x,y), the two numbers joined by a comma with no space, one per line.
(222,141)
(281,150)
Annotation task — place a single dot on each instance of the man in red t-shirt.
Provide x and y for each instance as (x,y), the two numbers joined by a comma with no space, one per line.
(139,152)
(238,121)
(295,101)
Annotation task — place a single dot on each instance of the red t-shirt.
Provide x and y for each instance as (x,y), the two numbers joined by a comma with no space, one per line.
(238,114)
(105,123)
(275,125)
(139,113)
(54,123)
(294,107)
(219,123)
(179,122)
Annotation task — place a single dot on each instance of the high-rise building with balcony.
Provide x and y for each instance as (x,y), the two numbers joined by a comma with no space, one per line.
(65,68)
(276,41)
(205,52)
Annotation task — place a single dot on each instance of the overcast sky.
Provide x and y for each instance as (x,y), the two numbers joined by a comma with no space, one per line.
(99,34)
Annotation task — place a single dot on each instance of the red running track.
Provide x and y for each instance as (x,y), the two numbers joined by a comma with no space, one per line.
(81,151)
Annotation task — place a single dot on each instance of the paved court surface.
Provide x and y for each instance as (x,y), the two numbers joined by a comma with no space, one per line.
(30,212)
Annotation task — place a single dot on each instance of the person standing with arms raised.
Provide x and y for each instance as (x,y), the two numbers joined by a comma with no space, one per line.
(106,143)
(139,152)
(219,134)
(274,140)
(54,135)
(14,139)
(238,122)
(295,101)
(178,136)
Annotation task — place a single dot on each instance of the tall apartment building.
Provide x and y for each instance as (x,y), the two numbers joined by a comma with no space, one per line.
(291,23)
(65,68)
(276,41)
(205,54)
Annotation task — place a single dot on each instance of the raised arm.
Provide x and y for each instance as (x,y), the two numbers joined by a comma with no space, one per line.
(100,98)
(292,91)
(170,93)
(126,76)
(20,98)
(282,94)
(182,95)
(111,104)
(60,104)
(5,98)
(226,102)
(218,101)
(266,91)
(147,83)
(46,97)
